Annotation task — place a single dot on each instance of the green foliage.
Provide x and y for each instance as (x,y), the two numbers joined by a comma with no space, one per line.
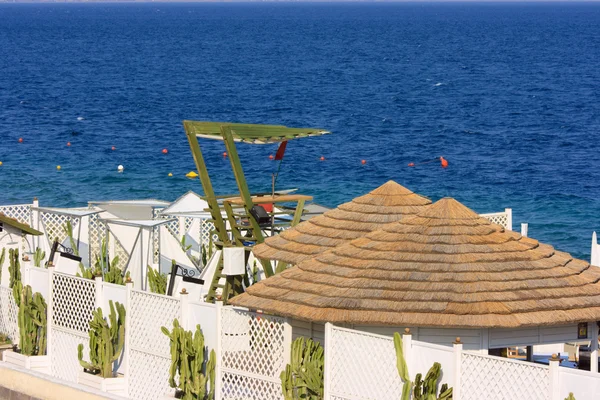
(4,339)
(106,341)
(68,229)
(184,245)
(157,281)
(14,269)
(303,376)
(112,274)
(421,389)
(571,397)
(204,256)
(38,257)
(2,257)
(31,320)
(187,361)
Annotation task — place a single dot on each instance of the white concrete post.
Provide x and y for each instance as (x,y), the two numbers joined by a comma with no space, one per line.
(49,313)
(35,223)
(327,366)
(458,348)
(593,330)
(287,342)
(595,254)
(554,378)
(524,229)
(508,212)
(218,351)
(99,298)
(407,348)
(185,309)
(127,344)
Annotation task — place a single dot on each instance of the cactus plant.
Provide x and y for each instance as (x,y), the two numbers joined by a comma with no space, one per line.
(14,269)
(303,376)
(157,281)
(187,361)
(571,397)
(38,257)
(68,228)
(421,389)
(31,320)
(106,341)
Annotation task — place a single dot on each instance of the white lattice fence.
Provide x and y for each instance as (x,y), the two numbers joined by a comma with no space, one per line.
(493,378)
(54,226)
(73,301)
(501,218)
(121,253)
(361,366)
(20,212)
(254,349)
(8,314)
(150,356)
(97,232)
(206,230)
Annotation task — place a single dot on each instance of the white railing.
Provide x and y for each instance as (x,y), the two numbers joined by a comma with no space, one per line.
(500,218)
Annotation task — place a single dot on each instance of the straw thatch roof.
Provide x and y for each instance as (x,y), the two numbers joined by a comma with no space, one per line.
(446,267)
(388,203)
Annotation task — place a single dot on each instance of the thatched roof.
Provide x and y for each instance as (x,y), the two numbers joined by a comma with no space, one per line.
(446,267)
(388,203)
(24,228)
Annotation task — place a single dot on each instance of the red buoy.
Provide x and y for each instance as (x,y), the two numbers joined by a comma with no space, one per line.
(224,154)
(363,162)
(20,140)
(322,158)
(165,151)
(68,144)
(271,156)
(444,162)
(113,148)
(412,164)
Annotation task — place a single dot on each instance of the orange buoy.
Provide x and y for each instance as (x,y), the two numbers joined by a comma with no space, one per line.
(444,162)
(20,140)
(363,162)
(165,151)
(68,144)
(271,156)
(412,164)
(322,158)
(224,154)
(113,148)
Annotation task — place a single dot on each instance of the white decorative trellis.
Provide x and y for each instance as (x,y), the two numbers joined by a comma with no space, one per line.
(502,218)
(73,301)
(20,212)
(121,253)
(97,232)
(149,352)
(362,366)
(8,314)
(254,350)
(494,378)
(54,225)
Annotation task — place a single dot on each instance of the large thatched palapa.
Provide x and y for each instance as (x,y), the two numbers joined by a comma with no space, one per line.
(388,203)
(445,267)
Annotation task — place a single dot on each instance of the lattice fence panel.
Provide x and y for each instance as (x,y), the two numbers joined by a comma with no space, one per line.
(253,353)
(208,229)
(97,232)
(8,314)
(188,223)
(150,349)
(121,253)
(55,224)
(21,213)
(497,218)
(363,366)
(491,378)
(63,357)
(73,301)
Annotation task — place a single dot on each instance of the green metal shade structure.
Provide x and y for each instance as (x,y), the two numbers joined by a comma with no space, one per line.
(230,133)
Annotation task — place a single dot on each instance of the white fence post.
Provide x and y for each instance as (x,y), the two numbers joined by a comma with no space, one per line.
(593,330)
(327,362)
(458,348)
(508,212)
(35,224)
(185,310)
(554,390)
(49,312)
(218,351)
(127,345)
(287,342)
(407,348)
(524,229)
(99,295)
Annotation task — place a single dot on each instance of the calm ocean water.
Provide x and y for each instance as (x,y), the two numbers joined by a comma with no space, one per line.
(508,93)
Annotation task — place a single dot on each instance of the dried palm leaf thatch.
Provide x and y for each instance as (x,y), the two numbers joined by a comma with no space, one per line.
(388,203)
(445,267)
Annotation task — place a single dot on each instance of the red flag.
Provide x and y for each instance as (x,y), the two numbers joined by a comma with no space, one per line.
(281,150)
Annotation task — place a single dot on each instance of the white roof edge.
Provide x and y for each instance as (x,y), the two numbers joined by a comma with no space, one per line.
(142,223)
(144,202)
(77,212)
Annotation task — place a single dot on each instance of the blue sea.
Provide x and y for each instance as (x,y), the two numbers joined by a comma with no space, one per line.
(507,93)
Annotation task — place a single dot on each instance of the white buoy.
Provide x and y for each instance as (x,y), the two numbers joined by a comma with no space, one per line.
(80,118)
(120,168)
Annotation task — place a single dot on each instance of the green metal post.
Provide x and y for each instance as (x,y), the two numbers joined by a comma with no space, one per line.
(298,213)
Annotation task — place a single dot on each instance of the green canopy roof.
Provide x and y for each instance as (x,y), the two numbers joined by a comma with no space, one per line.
(16,224)
(250,133)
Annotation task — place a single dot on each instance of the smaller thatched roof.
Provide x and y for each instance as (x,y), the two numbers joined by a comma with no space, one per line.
(388,203)
(446,267)
(18,225)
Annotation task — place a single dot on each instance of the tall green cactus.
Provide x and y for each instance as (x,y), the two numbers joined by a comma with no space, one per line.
(14,269)
(68,229)
(570,397)
(106,341)
(303,376)
(157,281)
(31,320)
(38,257)
(421,389)
(187,361)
